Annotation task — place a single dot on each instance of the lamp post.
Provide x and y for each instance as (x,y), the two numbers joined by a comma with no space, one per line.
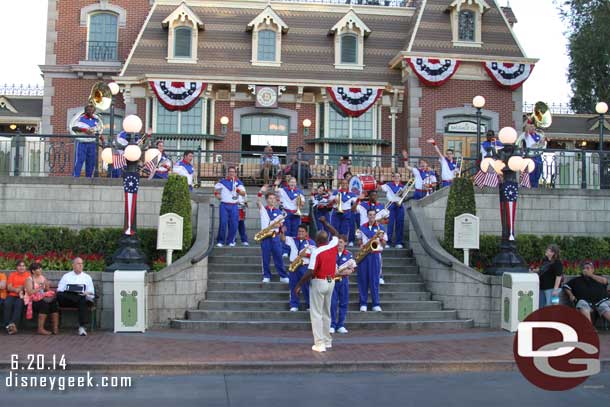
(129,255)
(306,126)
(224,121)
(478,102)
(508,163)
(114,90)
(601,108)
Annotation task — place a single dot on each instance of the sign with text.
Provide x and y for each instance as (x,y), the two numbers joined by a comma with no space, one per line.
(169,232)
(464,127)
(466,232)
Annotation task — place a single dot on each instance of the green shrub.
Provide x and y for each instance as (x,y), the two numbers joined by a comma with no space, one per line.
(177,199)
(461,200)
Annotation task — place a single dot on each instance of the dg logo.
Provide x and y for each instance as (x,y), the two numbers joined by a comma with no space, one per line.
(556,348)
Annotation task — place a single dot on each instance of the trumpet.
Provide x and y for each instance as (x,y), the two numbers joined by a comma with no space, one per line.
(234,197)
(370,246)
(299,204)
(268,231)
(340,202)
(299,261)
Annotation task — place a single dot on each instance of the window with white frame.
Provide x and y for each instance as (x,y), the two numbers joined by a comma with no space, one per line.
(102,37)
(466,26)
(349,33)
(190,122)
(352,128)
(267,29)
(183,35)
(466,17)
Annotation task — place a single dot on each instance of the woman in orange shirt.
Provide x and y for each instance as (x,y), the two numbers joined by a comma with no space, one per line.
(13,306)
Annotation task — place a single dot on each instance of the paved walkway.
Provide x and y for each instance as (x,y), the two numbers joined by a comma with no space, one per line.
(178,350)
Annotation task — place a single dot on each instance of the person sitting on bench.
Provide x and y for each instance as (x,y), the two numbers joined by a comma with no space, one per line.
(590,292)
(75,290)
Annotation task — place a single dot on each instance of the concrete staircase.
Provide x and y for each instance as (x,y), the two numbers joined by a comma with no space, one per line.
(236,298)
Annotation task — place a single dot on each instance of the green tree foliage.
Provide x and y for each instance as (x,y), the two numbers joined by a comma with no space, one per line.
(460,201)
(177,199)
(588,23)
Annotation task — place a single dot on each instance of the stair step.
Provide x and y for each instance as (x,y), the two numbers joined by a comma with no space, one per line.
(306,325)
(262,306)
(257,268)
(266,295)
(283,287)
(255,276)
(255,250)
(357,316)
(246,260)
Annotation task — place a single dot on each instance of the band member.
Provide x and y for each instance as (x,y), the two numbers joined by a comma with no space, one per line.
(292,199)
(449,168)
(242,205)
(270,165)
(184,167)
(491,145)
(228,191)
(301,246)
(396,221)
(365,205)
(321,206)
(86,147)
(345,203)
(370,267)
(533,140)
(165,164)
(321,272)
(425,179)
(271,246)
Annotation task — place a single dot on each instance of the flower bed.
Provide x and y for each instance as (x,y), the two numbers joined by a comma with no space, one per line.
(52,260)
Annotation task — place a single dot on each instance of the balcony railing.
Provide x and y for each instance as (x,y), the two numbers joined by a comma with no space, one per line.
(555,108)
(21,90)
(102,51)
(386,3)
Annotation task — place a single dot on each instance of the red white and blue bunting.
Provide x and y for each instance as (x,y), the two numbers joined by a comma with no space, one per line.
(433,71)
(354,101)
(508,75)
(176,95)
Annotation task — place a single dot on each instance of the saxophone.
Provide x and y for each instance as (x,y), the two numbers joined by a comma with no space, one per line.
(299,261)
(268,231)
(370,246)
(340,270)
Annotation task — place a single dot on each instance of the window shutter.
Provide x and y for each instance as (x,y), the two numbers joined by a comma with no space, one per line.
(349,49)
(182,42)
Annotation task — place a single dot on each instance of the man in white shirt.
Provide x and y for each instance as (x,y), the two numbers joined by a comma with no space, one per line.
(77,300)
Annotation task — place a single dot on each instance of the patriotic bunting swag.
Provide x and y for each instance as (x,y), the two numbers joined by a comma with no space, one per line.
(178,95)
(354,101)
(508,207)
(131,182)
(433,72)
(508,75)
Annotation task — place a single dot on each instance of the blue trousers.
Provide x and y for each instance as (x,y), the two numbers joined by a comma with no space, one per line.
(294,279)
(340,297)
(13,308)
(229,217)
(353,225)
(292,223)
(86,153)
(419,195)
(272,246)
(396,224)
(342,222)
(241,227)
(321,212)
(368,278)
(535,175)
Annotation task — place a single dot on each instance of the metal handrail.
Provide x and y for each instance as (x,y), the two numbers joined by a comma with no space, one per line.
(197,259)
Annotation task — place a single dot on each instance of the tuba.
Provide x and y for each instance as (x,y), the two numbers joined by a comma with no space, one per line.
(268,231)
(101,96)
(370,246)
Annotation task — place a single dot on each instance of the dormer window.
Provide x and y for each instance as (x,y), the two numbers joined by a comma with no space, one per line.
(183,35)
(466,18)
(349,34)
(267,29)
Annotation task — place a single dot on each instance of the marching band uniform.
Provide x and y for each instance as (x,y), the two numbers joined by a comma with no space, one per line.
(491,147)
(422,179)
(340,294)
(341,221)
(165,164)
(363,208)
(370,267)
(532,141)
(241,224)
(449,171)
(228,190)
(186,170)
(396,221)
(272,246)
(296,246)
(86,148)
(321,207)
(288,198)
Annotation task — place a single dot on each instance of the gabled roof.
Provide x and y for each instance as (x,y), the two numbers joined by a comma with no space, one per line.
(483,6)
(351,20)
(267,16)
(182,13)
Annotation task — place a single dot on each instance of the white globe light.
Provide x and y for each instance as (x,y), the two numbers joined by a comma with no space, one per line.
(132,124)
(478,102)
(507,135)
(306,123)
(498,166)
(151,154)
(114,88)
(515,163)
(531,166)
(107,155)
(132,153)
(224,120)
(525,164)
(601,108)
(485,163)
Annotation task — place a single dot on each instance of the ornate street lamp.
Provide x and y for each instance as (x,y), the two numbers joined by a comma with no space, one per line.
(478,102)
(601,108)
(224,121)
(306,126)
(129,255)
(509,162)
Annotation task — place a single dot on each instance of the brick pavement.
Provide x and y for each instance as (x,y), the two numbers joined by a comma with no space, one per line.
(173,350)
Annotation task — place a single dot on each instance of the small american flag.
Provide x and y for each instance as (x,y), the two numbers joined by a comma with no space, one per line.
(118,161)
(151,166)
(489,179)
(525,180)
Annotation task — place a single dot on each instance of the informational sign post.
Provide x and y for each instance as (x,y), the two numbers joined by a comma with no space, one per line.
(169,234)
(466,234)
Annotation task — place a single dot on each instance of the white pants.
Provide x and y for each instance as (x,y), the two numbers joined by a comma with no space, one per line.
(320,295)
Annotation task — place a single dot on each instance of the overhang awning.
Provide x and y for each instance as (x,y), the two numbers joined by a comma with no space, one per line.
(347,141)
